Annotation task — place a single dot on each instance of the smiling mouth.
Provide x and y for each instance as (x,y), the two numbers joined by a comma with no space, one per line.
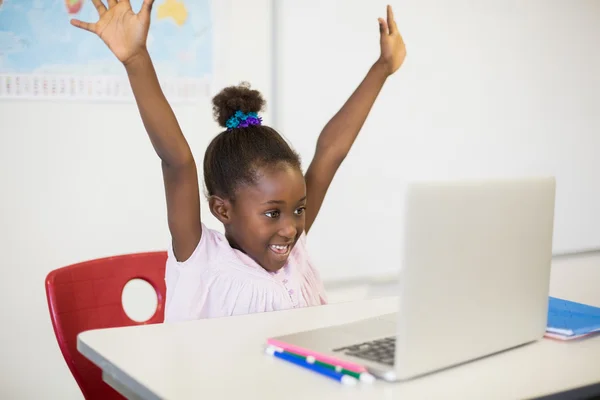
(280,250)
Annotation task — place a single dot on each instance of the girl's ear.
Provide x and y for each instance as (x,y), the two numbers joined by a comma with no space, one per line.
(220,208)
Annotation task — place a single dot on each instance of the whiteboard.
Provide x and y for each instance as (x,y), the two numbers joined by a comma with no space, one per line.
(488,89)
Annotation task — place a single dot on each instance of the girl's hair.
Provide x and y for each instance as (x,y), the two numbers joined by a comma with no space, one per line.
(234,156)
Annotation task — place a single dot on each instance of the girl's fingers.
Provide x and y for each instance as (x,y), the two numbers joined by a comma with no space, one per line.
(390,20)
(100,7)
(146,8)
(86,26)
(383,27)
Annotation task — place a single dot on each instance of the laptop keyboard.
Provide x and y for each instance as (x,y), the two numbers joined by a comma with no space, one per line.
(380,350)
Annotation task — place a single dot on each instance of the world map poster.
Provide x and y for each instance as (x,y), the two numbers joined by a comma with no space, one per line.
(43,56)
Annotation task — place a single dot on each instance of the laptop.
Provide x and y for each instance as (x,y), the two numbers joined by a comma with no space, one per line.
(473,280)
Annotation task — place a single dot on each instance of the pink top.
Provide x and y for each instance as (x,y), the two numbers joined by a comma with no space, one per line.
(218,280)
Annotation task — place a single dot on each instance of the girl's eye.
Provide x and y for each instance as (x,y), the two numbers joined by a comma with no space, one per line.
(300,211)
(272,214)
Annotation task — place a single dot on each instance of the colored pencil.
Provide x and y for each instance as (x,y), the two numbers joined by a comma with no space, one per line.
(350,366)
(338,376)
(361,376)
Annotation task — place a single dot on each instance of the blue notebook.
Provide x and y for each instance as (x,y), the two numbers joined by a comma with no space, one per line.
(570,320)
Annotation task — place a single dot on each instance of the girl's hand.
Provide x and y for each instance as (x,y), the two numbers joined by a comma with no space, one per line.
(123,31)
(393,51)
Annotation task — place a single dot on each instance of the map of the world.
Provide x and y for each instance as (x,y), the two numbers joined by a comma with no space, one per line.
(42,55)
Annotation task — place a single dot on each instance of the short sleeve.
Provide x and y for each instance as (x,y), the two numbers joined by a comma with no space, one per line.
(184,279)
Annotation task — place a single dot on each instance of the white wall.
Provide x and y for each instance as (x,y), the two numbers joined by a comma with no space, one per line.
(489,88)
(80,181)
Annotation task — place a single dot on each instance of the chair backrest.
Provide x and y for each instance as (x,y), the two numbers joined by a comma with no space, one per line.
(88,296)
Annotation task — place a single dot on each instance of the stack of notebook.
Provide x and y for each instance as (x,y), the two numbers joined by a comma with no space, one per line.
(570,320)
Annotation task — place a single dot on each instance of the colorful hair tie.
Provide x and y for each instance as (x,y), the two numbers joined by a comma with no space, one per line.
(243,120)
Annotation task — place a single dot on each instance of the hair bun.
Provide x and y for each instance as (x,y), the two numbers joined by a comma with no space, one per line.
(236,98)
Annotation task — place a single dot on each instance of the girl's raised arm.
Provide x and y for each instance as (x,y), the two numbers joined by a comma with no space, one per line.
(339,134)
(125,33)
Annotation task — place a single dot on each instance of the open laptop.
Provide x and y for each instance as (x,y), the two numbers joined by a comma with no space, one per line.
(474,280)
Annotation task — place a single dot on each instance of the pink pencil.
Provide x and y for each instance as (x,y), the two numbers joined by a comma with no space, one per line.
(321,357)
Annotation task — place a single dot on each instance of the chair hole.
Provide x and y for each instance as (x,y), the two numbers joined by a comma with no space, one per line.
(139,300)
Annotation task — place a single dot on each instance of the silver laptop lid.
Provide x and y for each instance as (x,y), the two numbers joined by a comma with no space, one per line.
(475,272)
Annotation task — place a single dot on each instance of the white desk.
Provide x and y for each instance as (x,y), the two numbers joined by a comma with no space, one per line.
(223,358)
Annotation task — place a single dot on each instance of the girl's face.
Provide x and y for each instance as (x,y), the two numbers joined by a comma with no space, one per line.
(267,219)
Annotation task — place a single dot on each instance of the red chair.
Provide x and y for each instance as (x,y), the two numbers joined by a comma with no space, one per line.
(87,296)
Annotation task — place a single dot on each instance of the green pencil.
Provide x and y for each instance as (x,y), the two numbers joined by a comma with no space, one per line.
(361,376)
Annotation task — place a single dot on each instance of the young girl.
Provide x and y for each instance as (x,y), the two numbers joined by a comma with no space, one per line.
(254,182)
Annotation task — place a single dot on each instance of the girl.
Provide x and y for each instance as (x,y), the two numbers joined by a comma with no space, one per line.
(254,182)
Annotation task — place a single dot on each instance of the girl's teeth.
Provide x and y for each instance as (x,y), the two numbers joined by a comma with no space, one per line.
(279,249)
